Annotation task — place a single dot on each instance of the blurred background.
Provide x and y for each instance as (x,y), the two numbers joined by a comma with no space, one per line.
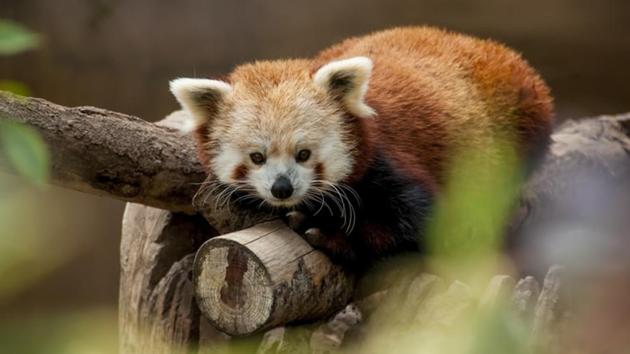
(120,55)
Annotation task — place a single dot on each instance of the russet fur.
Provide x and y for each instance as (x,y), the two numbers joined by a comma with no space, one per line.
(360,138)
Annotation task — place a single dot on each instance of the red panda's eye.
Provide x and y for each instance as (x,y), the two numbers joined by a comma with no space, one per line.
(303,155)
(257,158)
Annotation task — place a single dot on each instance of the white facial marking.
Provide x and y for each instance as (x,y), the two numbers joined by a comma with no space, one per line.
(226,161)
(335,156)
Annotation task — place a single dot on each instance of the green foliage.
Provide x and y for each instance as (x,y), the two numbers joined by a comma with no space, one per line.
(21,145)
(26,151)
(15,38)
(90,331)
(470,217)
(14,87)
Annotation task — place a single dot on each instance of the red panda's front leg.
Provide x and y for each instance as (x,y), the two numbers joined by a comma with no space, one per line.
(332,241)
(388,220)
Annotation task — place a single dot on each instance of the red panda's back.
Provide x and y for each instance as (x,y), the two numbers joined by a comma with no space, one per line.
(436,92)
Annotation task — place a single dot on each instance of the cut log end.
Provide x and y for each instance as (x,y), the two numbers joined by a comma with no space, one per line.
(233,287)
(264,276)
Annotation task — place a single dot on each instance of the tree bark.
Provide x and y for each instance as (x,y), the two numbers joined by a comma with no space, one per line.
(266,276)
(583,180)
(112,154)
(157,310)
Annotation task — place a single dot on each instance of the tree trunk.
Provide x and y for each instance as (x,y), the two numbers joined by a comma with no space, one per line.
(157,310)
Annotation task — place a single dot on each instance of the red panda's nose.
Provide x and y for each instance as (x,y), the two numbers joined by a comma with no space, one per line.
(282,188)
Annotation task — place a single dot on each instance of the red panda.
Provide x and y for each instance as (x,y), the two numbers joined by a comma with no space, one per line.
(359,138)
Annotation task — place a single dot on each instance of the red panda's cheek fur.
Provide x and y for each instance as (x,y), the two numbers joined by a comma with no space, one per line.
(201,139)
(240,172)
(319,171)
(361,137)
(207,149)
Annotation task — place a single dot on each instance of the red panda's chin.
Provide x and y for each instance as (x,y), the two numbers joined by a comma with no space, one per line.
(284,203)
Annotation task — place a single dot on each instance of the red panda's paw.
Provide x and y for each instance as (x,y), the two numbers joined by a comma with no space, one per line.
(315,238)
(298,222)
(332,242)
(295,220)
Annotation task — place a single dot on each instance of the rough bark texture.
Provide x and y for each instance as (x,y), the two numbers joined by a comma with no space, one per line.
(328,337)
(428,310)
(286,340)
(225,217)
(524,298)
(266,276)
(549,313)
(112,154)
(499,291)
(584,180)
(157,311)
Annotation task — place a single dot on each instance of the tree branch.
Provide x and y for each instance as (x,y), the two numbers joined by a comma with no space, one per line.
(112,154)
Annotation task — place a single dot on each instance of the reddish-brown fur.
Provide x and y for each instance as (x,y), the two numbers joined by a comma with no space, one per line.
(413,70)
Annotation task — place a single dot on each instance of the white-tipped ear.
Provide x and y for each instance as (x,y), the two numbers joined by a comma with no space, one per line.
(200,97)
(347,80)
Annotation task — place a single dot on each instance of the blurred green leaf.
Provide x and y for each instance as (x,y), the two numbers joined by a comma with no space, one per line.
(466,230)
(26,151)
(89,330)
(25,253)
(15,38)
(497,331)
(14,87)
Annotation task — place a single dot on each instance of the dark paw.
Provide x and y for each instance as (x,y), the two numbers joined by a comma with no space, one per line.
(315,237)
(303,225)
(318,233)
(295,220)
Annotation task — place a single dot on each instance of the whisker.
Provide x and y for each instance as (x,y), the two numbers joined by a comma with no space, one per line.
(340,194)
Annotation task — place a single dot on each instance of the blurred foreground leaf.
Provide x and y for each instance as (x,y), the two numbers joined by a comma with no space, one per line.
(468,225)
(14,87)
(90,331)
(26,151)
(15,38)
(25,252)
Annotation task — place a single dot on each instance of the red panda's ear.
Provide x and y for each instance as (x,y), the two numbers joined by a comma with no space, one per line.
(200,97)
(347,80)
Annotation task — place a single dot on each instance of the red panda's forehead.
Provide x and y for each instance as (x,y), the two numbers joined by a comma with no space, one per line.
(281,118)
(277,106)
(278,136)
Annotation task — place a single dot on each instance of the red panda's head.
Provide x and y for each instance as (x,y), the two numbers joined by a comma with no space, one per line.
(278,130)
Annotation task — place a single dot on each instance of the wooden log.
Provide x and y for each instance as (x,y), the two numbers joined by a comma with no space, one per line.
(524,298)
(266,276)
(588,160)
(157,311)
(498,292)
(329,337)
(111,154)
(549,312)
(286,340)
(423,287)
(445,309)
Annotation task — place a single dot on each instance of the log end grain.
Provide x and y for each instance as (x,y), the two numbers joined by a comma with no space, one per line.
(234,289)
